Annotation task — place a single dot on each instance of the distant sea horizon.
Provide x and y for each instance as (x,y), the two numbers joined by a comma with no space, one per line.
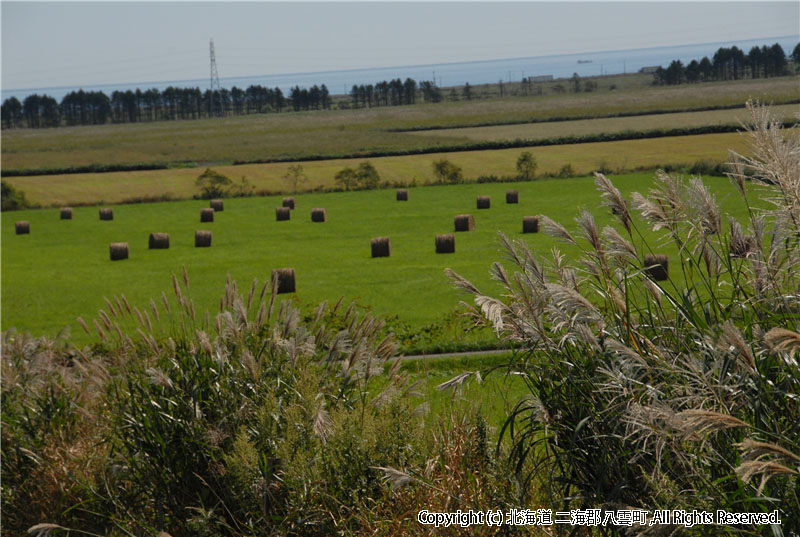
(476,73)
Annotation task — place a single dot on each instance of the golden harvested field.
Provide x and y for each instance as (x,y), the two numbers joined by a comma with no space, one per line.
(537,131)
(116,187)
(346,132)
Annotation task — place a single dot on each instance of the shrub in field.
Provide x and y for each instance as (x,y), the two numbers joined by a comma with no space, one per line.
(12,199)
(212,184)
(447,172)
(654,394)
(526,166)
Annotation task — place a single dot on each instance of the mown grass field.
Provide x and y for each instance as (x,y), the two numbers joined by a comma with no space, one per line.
(62,269)
(118,187)
(347,132)
(582,127)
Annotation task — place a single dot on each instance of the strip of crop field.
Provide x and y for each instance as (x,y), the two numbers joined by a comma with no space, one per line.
(119,187)
(556,119)
(595,127)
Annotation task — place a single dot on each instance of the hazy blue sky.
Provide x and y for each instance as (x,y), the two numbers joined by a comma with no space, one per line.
(48,44)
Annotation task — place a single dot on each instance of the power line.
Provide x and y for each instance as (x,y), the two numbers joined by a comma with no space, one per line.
(214,82)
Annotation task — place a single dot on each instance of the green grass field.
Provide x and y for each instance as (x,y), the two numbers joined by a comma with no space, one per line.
(62,269)
(117,187)
(345,132)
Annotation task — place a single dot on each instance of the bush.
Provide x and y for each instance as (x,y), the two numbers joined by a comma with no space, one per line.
(212,184)
(566,171)
(660,395)
(447,172)
(12,199)
(526,166)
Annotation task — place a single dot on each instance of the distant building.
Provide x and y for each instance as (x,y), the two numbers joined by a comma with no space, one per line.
(649,70)
(543,78)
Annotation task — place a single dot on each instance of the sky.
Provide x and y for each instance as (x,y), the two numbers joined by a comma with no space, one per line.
(48,44)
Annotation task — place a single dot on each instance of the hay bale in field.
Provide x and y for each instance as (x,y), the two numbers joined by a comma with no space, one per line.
(285,280)
(206,215)
(66,213)
(119,250)
(23,227)
(446,243)
(484,202)
(530,224)
(217,205)
(402,194)
(289,202)
(106,214)
(319,215)
(464,222)
(657,266)
(202,238)
(512,196)
(381,247)
(158,241)
(282,213)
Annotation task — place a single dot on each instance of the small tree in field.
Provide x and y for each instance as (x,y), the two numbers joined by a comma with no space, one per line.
(368,177)
(346,177)
(212,184)
(447,172)
(526,165)
(295,177)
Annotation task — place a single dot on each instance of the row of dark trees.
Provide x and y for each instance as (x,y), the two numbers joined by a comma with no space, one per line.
(385,93)
(96,108)
(729,64)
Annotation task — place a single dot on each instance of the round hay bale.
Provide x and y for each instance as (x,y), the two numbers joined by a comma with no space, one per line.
(282,213)
(217,205)
(66,213)
(285,277)
(119,250)
(381,247)
(23,227)
(402,194)
(106,214)
(656,266)
(446,243)
(202,238)
(512,196)
(484,202)
(530,224)
(206,215)
(158,241)
(289,202)
(464,222)
(319,215)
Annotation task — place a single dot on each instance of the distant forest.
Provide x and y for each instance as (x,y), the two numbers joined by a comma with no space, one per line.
(729,64)
(97,108)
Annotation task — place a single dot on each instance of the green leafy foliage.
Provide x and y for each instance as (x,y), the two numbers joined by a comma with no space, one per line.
(212,184)
(447,172)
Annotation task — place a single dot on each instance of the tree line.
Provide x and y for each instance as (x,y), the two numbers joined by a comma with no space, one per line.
(729,64)
(134,106)
(173,103)
(394,93)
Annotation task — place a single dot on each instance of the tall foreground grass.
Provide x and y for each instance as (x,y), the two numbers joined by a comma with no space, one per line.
(650,395)
(255,420)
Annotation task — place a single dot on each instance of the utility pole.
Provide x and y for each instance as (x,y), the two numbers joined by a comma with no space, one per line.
(214,83)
